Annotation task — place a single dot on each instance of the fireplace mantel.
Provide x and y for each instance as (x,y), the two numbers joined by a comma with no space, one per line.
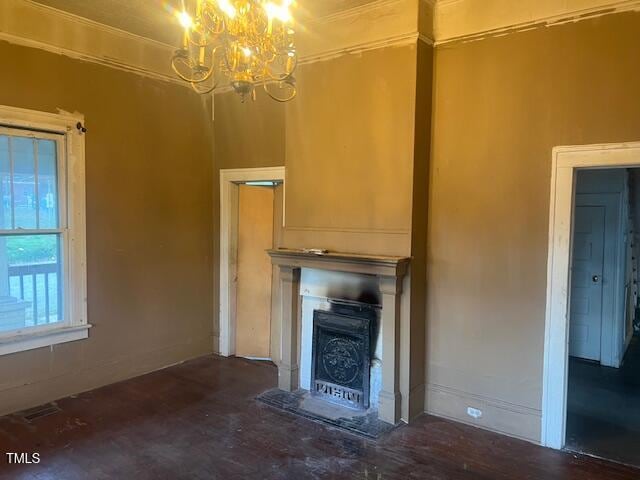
(342,262)
(390,272)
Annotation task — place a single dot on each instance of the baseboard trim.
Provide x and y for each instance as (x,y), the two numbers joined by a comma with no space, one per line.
(20,397)
(498,416)
(416,401)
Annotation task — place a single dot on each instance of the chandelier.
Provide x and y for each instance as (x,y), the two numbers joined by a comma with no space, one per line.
(243,44)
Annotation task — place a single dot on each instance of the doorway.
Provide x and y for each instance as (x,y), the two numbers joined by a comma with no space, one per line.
(603,412)
(591,295)
(254,272)
(600,271)
(251,217)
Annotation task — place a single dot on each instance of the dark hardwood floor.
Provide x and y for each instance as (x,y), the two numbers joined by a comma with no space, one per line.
(200,420)
(603,411)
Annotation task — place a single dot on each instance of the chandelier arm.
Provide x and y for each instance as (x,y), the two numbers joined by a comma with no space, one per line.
(284,76)
(206,77)
(281,100)
(204,91)
(191,79)
(177,72)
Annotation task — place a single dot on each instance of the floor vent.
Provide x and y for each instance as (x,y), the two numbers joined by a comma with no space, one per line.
(39,412)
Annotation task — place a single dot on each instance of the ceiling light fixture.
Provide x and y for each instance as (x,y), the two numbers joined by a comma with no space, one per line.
(238,43)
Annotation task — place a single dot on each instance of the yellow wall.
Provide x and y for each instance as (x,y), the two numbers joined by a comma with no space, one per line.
(149,224)
(500,106)
(378,161)
(249,134)
(349,145)
(347,141)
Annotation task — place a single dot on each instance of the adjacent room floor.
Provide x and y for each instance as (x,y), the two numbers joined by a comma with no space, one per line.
(200,420)
(604,408)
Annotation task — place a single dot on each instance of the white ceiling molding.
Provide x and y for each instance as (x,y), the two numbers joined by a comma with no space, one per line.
(469,20)
(377,24)
(399,41)
(30,24)
(373,25)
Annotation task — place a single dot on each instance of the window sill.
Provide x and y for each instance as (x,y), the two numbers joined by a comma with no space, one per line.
(43,338)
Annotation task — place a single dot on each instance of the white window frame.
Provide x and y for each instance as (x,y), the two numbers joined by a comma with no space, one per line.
(71,198)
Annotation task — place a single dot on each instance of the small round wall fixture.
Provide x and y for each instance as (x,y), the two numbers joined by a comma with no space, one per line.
(238,44)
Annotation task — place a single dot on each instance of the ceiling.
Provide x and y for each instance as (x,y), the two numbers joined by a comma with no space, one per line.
(153,18)
(327,7)
(147,18)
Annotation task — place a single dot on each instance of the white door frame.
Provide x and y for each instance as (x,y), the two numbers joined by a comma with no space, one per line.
(229,181)
(565,162)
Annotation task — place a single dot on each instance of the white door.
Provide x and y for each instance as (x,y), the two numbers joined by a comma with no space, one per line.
(586,283)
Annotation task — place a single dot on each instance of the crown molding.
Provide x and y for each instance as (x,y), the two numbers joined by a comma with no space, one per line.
(377,24)
(374,25)
(353,11)
(399,41)
(457,21)
(30,24)
(93,24)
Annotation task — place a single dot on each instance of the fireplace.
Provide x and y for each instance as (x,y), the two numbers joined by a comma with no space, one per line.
(342,352)
(387,273)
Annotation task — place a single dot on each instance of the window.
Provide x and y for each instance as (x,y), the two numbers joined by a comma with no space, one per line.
(42,230)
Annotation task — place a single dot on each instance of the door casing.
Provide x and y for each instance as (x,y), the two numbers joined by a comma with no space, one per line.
(566,161)
(229,180)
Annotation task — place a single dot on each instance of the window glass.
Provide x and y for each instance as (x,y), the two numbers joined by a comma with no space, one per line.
(5,184)
(47,184)
(30,281)
(24,186)
(31,269)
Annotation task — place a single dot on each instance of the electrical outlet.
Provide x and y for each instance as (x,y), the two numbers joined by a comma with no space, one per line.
(474,412)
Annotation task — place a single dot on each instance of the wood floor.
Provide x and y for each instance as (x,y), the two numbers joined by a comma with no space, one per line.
(603,412)
(199,420)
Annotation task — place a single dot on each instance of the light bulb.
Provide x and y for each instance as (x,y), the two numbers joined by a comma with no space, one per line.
(279,12)
(185,19)
(227,8)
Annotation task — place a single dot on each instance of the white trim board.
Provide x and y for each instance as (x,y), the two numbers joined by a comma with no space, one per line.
(466,20)
(507,418)
(229,180)
(565,162)
(374,25)
(43,338)
(352,31)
